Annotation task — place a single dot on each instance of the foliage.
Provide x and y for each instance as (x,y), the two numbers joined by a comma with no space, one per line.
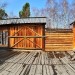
(25,12)
(3,14)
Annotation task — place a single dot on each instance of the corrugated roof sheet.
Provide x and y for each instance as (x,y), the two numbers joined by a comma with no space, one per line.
(23,20)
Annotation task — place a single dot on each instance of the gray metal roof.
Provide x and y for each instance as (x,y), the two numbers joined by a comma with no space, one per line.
(23,20)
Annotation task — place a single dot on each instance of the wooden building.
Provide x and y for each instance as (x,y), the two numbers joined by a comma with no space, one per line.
(73,28)
(59,40)
(25,33)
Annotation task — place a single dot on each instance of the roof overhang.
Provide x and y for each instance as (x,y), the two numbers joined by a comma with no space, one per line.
(72,23)
(23,20)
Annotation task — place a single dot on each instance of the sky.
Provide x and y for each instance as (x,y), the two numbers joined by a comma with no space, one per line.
(14,6)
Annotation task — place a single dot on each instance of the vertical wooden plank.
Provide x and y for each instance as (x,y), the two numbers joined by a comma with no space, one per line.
(2,38)
(33,39)
(20,33)
(30,34)
(15,39)
(11,33)
(17,35)
(40,33)
(25,38)
(35,29)
(8,37)
(27,34)
(43,39)
(36,39)
(23,34)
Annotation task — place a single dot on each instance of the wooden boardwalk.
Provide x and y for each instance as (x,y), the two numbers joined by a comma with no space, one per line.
(37,63)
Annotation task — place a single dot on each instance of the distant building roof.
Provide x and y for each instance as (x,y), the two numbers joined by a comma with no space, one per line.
(23,20)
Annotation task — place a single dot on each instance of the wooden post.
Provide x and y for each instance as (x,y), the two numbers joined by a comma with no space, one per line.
(43,40)
(2,38)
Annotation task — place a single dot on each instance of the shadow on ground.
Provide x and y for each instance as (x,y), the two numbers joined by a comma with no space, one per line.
(6,53)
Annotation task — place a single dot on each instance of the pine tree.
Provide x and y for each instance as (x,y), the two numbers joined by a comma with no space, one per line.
(25,12)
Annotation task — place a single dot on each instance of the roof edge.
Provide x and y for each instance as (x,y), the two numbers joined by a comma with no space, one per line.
(72,23)
(22,18)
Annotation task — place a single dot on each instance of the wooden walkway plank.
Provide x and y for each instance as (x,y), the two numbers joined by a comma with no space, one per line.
(9,66)
(19,70)
(19,58)
(61,70)
(51,70)
(46,58)
(15,69)
(42,58)
(37,63)
(38,59)
(55,60)
(24,70)
(12,67)
(39,70)
(4,67)
(10,57)
(44,72)
(14,58)
(28,57)
(68,67)
(33,70)
(4,73)
(47,70)
(70,71)
(23,58)
(73,65)
(32,58)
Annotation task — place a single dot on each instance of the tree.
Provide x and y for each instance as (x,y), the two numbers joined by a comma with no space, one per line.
(51,12)
(25,12)
(73,10)
(65,13)
(3,14)
(59,13)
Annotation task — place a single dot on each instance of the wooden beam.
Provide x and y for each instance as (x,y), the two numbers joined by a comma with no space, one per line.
(18,42)
(33,31)
(17,31)
(26,36)
(27,39)
(33,43)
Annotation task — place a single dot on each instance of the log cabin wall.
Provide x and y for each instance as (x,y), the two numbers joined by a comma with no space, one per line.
(59,40)
(74,36)
(27,36)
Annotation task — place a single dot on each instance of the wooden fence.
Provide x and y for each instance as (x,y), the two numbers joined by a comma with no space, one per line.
(59,40)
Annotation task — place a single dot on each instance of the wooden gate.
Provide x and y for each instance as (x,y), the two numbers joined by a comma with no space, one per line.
(26,36)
